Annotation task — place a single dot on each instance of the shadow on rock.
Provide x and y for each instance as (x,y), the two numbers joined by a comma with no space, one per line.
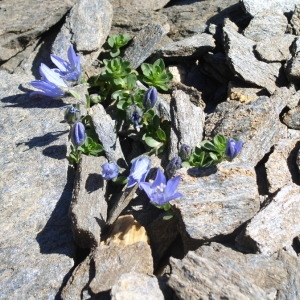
(56,236)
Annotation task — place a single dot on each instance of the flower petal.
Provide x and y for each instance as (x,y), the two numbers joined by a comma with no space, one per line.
(159,179)
(60,63)
(46,88)
(73,58)
(146,187)
(172,185)
(176,195)
(52,76)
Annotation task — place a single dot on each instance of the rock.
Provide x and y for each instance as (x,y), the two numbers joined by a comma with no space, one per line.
(281,165)
(266,24)
(138,4)
(89,187)
(194,46)
(280,50)
(249,123)
(136,286)
(291,118)
(295,21)
(254,7)
(242,92)
(292,66)
(242,61)
(18,30)
(276,225)
(244,276)
(37,248)
(143,44)
(86,27)
(216,200)
(105,128)
(187,123)
(106,263)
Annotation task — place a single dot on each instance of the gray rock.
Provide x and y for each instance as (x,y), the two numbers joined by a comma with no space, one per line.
(242,92)
(89,187)
(139,4)
(266,24)
(143,44)
(254,7)
(187,123)
(105,128)
(18,29)
(249,123)
(280,50)
(292,66)
(291,118)
(193,46)
(241,59)
(244,276)
(295,21)
(104,266)
(135,285)
(86,27)
(276,225)
(281,165)
(216,200)
(37,249)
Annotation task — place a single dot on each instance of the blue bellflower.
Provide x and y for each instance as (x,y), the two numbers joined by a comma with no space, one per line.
(69,70)
(139,170)
(160,192)
(78,135)
(233,148)
(150,97)
(109,171)
(51,85)
(173,166)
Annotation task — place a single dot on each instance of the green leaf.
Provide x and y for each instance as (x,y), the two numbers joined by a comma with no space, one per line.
(161,135)
(208,145)
(121,180)
(151,142)
(168,216)
(185,164)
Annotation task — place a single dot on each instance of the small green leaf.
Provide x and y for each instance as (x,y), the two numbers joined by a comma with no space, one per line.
(152,142)
(161,135)
(185,164)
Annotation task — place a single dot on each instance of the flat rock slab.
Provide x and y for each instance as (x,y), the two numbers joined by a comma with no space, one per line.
(206,271)
(88,210)
(216,200)
(196,45)
(18,29)
(241,59)
(139,4)
(37,247)
(292,118)
(187,122)
(281,166)
(86,27)
(135,285)
(275,226)
(250,122)
(254,7)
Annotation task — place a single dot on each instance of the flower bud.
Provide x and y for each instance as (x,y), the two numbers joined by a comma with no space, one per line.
(173,166)
(134,113)
(72,114)
(150,97)
(78,135)
(233,148)
(109,170)
(185,152)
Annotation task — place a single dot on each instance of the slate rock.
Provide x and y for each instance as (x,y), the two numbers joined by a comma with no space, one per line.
(216,200)
(249,123)
(292,66)
(88,210)
(276,225)
(254,7)
(242,61)
(105,128)
(135,285)
(280,50)
(266,24)
(86,27)
(248,276)
(187,123)
(194,46)
(143,44)
(18,29)
(295,20)
(37,248)
(139,4)
(281,165)
(242,92)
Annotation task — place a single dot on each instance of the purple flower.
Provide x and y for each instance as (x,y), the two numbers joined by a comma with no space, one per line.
(233,148)
(46,89)
(51,76)
(160,192)
(185,152)
(109,170)
(139,170)
(69,70)
(150,97)
(78,134)
(173,166)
